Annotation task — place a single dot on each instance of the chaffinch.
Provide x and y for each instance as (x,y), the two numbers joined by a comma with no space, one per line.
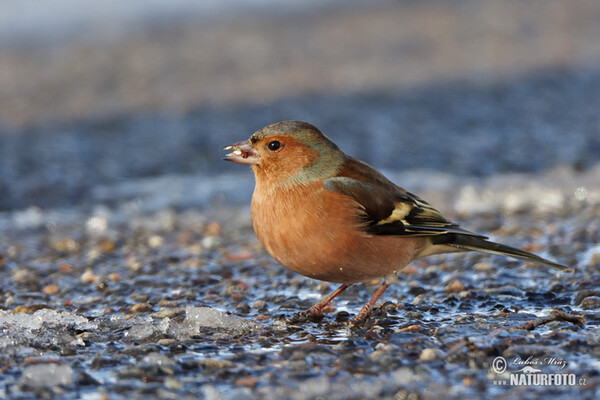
(328,216)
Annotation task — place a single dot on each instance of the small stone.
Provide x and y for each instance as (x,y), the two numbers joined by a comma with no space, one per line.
(420,299)
(22,276)
(413,315)
(210,242)
(454,287)
(100,284)
(88,276)
(173,383)
(65,268)
(582,294)
(193,263)
(66,245)
(248,381)
(29,308)
(167,313)
(212,229)
(532,247)
(140,297)
(428,355)
(410,270)
(410,328)
(239,256)
(215,364)
(416,290)
(155,241)
(483,266)
(167,303)
(140,307)
(236,296)
(51,289)
(107,246)
(243,308)
(132,263)
(258,304)
(590,303)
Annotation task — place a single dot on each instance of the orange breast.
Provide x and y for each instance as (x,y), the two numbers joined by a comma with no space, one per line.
(317,233)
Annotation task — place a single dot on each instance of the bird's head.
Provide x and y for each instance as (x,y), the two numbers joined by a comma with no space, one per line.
(288,152)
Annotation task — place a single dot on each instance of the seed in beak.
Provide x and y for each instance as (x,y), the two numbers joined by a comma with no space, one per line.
(239,153)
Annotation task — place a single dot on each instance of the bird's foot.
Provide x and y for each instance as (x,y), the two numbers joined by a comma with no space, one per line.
(366,309)
(314,313)
(362,316)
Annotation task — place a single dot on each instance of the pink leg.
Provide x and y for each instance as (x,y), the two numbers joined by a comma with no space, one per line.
(366,309)
(316,311)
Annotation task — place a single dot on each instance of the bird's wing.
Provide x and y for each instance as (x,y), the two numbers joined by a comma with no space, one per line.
(394,212)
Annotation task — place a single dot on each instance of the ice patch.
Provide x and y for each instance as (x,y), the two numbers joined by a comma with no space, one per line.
(206,317)
(147,330)
(47,318)
(46,375)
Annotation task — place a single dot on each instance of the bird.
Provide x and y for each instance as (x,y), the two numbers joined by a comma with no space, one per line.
(331,217)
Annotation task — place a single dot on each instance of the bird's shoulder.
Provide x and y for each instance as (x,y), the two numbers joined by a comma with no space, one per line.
(385,208)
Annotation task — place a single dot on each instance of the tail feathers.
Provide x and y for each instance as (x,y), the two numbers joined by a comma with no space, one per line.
(475,243)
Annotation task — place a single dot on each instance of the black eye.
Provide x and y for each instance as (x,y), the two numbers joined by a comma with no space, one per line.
(274,145)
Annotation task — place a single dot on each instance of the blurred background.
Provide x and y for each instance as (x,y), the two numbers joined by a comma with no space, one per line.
(105,101)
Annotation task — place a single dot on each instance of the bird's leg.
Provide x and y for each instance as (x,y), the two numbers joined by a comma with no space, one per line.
(316,311)
(366,309)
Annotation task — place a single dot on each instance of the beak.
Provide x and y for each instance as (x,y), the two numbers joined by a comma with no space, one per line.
(242,153)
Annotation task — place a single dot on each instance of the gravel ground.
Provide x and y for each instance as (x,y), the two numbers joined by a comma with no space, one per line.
(145,300)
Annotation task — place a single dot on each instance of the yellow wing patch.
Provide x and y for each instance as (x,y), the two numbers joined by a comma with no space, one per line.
(415,213)
(401,210)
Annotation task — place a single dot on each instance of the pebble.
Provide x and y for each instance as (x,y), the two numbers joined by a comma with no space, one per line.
(249,381)
(258,304)
(88,276)
(590,303)
(140,307)
(66,268)
(168,312)
(454,287)
(413,315)
(484,267)
(582,294)
(215,364)
(172,383)
(431,354)
(51,289)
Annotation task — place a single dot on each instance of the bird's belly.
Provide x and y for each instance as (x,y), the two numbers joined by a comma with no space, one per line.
(345,260)
(323,240)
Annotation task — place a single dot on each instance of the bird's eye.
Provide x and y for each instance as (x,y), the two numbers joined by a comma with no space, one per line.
(274,145)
